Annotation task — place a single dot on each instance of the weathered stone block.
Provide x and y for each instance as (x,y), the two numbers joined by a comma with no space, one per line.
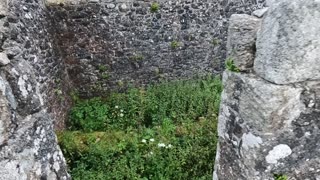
(241,40)
(288,44)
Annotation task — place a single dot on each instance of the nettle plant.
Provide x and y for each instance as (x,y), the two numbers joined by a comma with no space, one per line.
(231,66)
(137,57)
(154,7)
(165,131)
(280,177)
(174,44)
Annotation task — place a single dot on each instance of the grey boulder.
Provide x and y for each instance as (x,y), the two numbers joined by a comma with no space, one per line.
(288,44)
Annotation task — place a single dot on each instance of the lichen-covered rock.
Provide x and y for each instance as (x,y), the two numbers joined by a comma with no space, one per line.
(266,129)
(241,40)
(288,44)
(31,151)
(28,145)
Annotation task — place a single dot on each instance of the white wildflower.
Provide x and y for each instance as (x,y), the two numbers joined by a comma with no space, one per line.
(169,146)
(161,145)
(144,141)
(121,115)
(150,154)
(121,110)
(116,107)
(151,140)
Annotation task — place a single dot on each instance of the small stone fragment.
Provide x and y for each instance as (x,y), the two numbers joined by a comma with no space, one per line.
(4,60)
(111,6)
(260,12)
(123,7)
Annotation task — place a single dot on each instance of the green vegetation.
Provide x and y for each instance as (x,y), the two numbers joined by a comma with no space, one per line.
(165,131)
(154,7)
(102,68)
(59,94)
(174,44)
(215,42)
(105,75)
(280,177)
(120,83)
(231,66)
(137,57)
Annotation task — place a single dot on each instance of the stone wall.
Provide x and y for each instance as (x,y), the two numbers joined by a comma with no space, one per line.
(29,71)
(112,44)
(269,122)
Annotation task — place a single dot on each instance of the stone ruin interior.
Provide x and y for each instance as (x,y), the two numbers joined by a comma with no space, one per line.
(269,119)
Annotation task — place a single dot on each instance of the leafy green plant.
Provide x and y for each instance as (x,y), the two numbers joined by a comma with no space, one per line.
(280,177)
(215,42)
(59,94)
(74,94)
(231,66)
(102,68)
(174,44)
(89,115)
(137,57)
(165,131)
(154,7)
(120,83)
(105,75)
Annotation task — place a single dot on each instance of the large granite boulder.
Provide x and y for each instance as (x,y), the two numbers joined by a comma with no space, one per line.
(288,44)
(269,121)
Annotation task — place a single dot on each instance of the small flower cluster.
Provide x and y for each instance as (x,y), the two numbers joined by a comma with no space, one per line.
(121,114)
(160,145)
(145,141)
(163,145)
